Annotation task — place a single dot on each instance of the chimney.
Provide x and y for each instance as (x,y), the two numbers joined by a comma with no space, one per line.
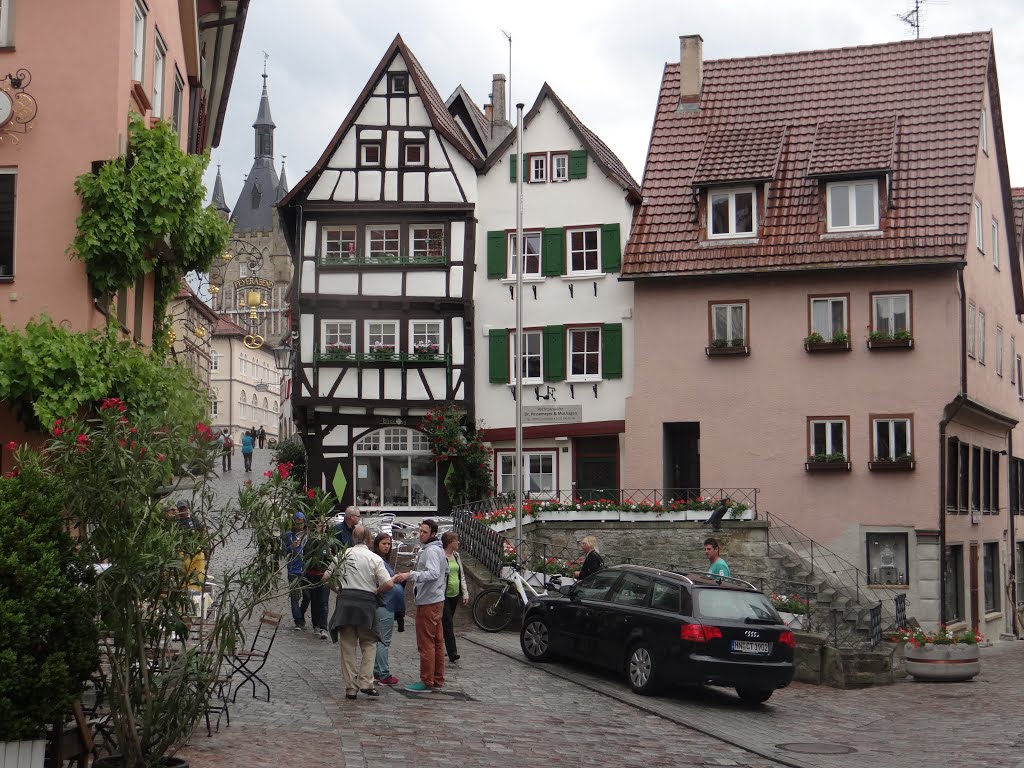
(498,114)
(487,112)
(691,71)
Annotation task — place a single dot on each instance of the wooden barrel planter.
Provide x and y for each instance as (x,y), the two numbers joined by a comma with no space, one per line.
(943,663)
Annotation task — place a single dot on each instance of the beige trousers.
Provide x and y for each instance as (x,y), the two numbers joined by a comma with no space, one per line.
(357,675)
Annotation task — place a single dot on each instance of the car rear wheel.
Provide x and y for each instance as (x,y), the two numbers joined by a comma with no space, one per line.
(642,669)
(535,639)
(753,695)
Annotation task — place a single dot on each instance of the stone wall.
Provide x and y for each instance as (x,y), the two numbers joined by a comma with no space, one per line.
(743,544)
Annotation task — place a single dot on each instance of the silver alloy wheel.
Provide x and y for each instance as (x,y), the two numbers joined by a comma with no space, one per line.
(640,667)
(535,638)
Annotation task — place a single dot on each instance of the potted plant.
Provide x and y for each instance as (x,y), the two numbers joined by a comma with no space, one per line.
(426,350)
(382,351)
(114,468)
(48,638)
(827,461)
(903,462)
(943,656)
(795,611)
(337,351)
(885,340)
(815,342)
(723,346)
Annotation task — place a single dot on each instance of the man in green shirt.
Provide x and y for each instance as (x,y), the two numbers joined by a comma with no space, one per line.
(718,566)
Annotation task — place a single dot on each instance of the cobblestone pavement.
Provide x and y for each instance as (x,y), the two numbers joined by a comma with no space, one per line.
(498,708)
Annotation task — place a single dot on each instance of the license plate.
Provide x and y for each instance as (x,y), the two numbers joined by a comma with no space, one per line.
(745,646)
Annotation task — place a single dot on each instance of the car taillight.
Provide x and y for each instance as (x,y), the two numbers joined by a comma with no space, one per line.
(787,638)
(698,633)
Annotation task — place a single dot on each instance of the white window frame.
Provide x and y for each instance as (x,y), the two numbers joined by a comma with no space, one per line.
(426,330)
(730,330)
(984,130)
(570,251)
(214,407)
(1020,378)
(971,314)
(333,236)
(559,174)
(999,350)
(892,425)
(159,75)
(243,405)
(539,355)
(713,194)
(995,243)
(852,210)
(243,269)
(335,331)
(883,306)
(393,443)
(420,239)
(981,337)
(586,354)
(141,13)
(214,361)
(528,237)
(241,365)
(507,473)
(538,167)
(421,146)
(6,38)
(827,336)
(828,448)
(381,331)
(177,98)
(394,233)
(979,233)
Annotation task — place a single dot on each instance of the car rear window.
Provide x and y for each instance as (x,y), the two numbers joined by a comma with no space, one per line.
(733,605)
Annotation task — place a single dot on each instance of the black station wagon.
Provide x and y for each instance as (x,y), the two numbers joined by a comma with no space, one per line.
(661,627)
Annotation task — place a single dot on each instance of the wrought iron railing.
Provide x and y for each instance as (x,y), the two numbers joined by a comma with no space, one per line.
(851,609)
(365,358)
(387,259)
(672,499)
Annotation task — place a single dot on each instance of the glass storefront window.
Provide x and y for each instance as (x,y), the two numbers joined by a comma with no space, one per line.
(395,470)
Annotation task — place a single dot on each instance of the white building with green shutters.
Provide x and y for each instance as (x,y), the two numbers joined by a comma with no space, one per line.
(577,316)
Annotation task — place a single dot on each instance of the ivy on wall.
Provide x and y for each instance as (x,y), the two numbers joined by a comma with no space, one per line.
(453,442)
(144,213)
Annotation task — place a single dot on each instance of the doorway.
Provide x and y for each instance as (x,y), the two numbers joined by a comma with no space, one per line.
(597,467)
(681,456)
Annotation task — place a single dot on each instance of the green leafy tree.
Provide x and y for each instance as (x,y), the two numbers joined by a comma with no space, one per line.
(468,477)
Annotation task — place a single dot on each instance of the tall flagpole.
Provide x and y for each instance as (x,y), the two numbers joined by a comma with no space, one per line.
(520,169)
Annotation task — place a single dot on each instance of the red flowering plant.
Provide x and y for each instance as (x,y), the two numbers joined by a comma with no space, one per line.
(917,637)
(117,471)
(456,443)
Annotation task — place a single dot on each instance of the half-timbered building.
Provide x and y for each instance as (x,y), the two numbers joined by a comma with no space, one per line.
(383,234)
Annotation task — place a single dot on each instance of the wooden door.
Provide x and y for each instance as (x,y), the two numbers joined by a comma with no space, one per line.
(973,570)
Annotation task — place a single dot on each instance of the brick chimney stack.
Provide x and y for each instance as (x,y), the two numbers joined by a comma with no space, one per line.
(691,71)
(498,113)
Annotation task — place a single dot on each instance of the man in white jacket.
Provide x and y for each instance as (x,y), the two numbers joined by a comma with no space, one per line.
(429,578)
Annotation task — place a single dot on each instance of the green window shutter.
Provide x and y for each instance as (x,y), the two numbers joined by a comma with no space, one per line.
(578,164)
(498,352)
(497,254)
(512,162)
(611,350)
(611,248)
(554,352)
(553,252)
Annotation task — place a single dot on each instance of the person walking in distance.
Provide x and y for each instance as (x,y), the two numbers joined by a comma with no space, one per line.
(227,448)
(718,566)
(429,579)
(455,590)
(248,443)
(262,435)
(293,543)
(393,600)
(361,577)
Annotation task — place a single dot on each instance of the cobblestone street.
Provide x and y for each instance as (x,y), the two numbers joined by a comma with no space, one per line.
(500,709)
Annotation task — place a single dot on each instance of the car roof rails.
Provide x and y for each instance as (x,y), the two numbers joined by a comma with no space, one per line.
(703,577)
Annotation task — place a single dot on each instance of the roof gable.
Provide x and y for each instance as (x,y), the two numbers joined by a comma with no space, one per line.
(438,115)
(911,106)
(607,160)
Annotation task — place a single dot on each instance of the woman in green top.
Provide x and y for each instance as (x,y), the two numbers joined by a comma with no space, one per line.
(455,588)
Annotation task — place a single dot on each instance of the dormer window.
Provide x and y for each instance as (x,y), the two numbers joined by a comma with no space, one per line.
(852,205)
(731,213)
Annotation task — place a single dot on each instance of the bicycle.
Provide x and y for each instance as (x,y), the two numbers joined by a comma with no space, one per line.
(495,607)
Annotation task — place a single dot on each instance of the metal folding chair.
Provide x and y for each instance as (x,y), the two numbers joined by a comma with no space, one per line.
(248,664)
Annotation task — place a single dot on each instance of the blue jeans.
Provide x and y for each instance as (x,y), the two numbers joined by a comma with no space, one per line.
(299,598)
(381,665)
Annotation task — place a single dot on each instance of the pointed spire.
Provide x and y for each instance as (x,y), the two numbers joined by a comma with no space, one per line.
(218,202)
(263,117)
(282,183)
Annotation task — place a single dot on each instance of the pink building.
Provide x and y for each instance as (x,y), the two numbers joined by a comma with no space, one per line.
(86,68)
(827,307)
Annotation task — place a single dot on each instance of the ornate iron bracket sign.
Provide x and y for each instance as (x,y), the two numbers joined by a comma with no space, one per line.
(255,300)
(17,106)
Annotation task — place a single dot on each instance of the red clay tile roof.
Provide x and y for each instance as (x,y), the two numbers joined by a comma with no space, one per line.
(226,327)
(850,146)
(933,86)
(739,154)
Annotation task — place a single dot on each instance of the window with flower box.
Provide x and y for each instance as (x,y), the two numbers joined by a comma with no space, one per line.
(382,243)
(381,337)
(339,244)
(727,327)
(425,337)
(538,475)
(890,320)
(829,317)
(337,337)
(427,243)
(827,442)
(891,442)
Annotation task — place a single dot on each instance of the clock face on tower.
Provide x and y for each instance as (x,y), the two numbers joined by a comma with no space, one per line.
(6,108)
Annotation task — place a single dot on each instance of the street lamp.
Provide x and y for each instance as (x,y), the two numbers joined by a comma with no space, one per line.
(284,357)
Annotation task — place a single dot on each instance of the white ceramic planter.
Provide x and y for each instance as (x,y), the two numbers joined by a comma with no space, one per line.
(795,620)
(943,663)
(22,754)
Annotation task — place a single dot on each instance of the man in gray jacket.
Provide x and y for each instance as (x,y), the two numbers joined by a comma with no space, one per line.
(429,579)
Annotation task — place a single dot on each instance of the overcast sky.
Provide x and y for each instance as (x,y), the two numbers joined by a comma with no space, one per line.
(603,58)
